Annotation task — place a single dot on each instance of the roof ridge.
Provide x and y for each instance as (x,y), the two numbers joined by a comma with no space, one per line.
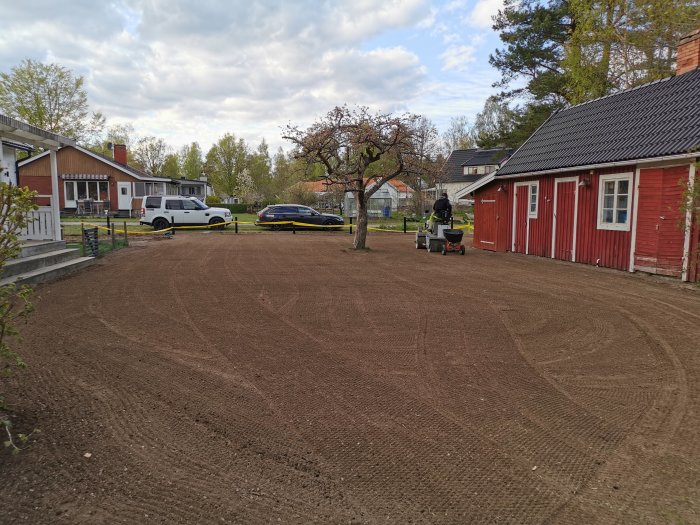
(628,90)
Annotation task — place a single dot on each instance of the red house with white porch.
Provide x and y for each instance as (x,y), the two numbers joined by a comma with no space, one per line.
(603,182)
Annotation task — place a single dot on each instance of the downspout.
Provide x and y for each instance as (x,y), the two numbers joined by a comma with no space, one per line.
(688,224)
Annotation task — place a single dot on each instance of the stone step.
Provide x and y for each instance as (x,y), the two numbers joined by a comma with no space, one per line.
(30,248)
(49,273)
(34,262)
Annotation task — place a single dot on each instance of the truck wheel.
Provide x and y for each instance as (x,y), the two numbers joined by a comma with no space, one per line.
(160,224)
(217,220)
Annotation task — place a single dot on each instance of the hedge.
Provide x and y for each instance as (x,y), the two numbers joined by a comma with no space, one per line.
(235,208)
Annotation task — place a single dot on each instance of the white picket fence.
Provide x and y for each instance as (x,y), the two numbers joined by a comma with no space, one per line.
(40,225)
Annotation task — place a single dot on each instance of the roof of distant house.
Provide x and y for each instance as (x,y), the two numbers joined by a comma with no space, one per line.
(473,157)
(655,120)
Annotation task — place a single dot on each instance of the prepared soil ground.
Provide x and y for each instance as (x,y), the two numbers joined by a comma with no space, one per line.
(255,378)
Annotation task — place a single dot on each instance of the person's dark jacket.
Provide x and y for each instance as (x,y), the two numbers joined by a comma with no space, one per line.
(442,207)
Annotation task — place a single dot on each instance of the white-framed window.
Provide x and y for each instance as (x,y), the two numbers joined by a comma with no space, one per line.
(614,198)
(79,190)
(142,189)
(533,193)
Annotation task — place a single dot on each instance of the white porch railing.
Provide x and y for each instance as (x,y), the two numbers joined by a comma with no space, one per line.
(40,226)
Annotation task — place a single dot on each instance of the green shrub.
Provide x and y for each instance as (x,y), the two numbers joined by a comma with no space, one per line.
(235,208)
(213,200)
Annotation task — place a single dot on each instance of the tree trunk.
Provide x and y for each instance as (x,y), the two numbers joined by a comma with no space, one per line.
(361,231)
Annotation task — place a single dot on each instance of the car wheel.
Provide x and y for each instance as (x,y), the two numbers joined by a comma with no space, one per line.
(462,250)
(276,227)
(160,224)
(217,220)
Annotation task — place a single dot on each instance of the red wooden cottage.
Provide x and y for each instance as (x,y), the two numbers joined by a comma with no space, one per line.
(602,182)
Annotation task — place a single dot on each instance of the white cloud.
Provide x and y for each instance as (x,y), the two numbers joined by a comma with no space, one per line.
(194,71)
(457,57)
(483,13)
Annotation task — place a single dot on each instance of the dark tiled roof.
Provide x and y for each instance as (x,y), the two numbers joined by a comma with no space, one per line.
(454,163)
(460,158)
(654,120)
(488,157)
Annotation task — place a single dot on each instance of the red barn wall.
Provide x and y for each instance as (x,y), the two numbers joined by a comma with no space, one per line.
(606,248)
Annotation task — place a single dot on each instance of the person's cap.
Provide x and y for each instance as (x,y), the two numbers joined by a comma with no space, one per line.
(444,194)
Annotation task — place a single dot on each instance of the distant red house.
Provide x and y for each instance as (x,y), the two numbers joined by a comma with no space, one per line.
(602,183)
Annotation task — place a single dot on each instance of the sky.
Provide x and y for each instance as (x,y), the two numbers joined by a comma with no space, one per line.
(188,71)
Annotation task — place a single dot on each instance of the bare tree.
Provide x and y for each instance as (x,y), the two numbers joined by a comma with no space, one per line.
(150,154)
(350,144)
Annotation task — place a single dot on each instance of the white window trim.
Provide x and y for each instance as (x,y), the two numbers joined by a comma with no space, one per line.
(531,214)
(527,215)
(575,180)
(629,177)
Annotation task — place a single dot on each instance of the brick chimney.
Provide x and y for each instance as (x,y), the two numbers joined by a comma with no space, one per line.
(688,58)
(120,153)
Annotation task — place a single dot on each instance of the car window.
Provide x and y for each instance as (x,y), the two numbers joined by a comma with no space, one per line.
(302,210)
(172,204)
(286,209)
(190,205)
(152,202)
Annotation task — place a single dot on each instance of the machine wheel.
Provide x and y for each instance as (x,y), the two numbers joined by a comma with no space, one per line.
(417,245)
(462,250)
(160,224)
(217,220)
(444,251)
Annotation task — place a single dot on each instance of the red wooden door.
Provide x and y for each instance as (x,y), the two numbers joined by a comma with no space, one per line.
(486,223)
(659,244)
(565,206)
(520,219)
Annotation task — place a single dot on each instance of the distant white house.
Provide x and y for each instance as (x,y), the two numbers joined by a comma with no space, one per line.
(392,196)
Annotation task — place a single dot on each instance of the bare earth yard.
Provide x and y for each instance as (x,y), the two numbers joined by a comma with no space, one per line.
(221,378)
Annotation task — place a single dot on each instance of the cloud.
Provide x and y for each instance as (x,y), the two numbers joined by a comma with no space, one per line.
(457,57)
(483,13)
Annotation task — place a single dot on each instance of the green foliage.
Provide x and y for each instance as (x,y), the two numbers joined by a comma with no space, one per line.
(171,166)
(50,97)
(298,194)
(235,208)
(226,165)
(213,200)
(192,162)
(14,301)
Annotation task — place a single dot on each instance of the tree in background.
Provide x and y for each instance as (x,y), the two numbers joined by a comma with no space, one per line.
(50,97)
(116,134)
(431,157)
(620,44)
(495,124)
(260,171)
(457,136)
(349,142)
(191,161)
(150,154)
(171,166)
(227,166)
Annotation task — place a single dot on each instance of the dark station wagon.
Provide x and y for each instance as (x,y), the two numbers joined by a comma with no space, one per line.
(281,213)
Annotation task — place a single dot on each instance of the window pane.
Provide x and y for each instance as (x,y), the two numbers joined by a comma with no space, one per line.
(92,190)
(70,191)
(173,204)
(139,189)
(104,191)
(609,187)
(82,189)
(608,201)
(622,202)
(189,205)
(623,186)
(607,216)
(621,216)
